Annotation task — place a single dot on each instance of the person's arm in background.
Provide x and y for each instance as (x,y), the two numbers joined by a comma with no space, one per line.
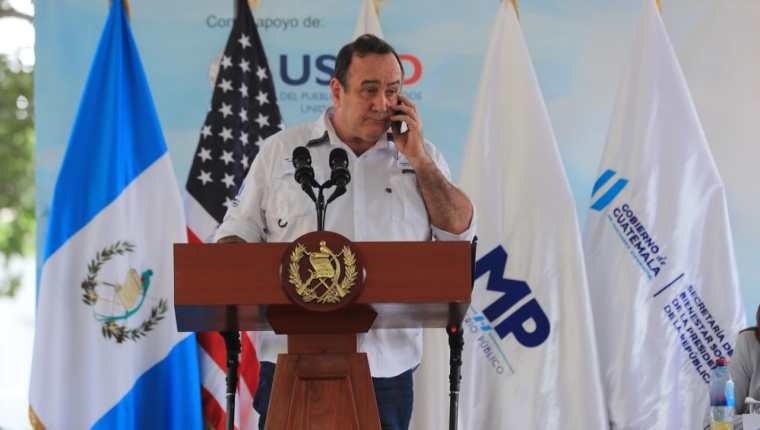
(741,368)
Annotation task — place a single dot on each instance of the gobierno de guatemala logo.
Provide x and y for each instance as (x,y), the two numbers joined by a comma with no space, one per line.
(637,239)
(606,198)
(696,328)
(115,304)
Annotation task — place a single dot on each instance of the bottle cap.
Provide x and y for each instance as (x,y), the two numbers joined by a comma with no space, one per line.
(722,361)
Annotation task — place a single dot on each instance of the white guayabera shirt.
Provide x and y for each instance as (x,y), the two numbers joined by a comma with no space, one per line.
(382,203)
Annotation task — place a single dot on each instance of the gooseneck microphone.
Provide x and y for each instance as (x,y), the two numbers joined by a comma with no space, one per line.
(304,174)
(340,175)
(302,163)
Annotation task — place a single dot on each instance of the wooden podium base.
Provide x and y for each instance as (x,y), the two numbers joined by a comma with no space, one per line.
(325,391)
(322,382)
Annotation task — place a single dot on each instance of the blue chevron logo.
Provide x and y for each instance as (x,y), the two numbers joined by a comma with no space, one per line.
(606,198)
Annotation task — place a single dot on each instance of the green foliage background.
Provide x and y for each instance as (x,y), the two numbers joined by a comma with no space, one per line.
(17,220)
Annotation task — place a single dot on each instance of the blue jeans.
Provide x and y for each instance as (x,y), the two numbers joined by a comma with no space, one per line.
(394,397)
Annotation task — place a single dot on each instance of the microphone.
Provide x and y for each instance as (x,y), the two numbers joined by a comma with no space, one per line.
(304,174)
(340,175)
(339,166)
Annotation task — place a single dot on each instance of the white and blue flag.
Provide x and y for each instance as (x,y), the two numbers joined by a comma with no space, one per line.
(660,260)
(106,350)
(530,359)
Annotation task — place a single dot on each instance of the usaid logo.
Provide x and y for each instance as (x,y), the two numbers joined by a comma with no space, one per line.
(606,197)
(295,73)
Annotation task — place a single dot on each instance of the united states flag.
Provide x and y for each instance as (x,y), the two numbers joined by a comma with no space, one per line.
(242,114)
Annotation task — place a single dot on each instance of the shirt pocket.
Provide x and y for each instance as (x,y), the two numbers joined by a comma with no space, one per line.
(291,210)
(408,207)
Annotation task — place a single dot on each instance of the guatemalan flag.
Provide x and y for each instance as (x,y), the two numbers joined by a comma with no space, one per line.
(530,359)
(658,247)
(106,350)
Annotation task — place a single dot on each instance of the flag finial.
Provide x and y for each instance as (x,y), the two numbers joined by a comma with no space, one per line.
(252,5)
(377,5)
(127,9)
(517,7)
(659,5)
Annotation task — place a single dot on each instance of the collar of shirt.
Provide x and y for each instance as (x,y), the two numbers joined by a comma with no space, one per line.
(324,132)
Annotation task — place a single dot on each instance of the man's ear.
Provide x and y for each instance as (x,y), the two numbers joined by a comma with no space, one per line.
(336,92)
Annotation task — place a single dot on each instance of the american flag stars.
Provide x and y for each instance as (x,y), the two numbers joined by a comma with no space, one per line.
(206,131)
(235,120)
(229,180)
(225,85)
(205,177)
(244,41)
(261,73)
(225,110)
(226,134)
(226,62)
(262,98)
(262,120)
(245,66)
(204,154)
(226,157)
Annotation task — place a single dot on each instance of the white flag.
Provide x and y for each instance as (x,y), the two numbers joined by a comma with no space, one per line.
(530,358)
(367,21)
(658,248)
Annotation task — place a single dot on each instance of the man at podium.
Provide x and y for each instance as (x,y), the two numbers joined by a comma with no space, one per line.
(399,191)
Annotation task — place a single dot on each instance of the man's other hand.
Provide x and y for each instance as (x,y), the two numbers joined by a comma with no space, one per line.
(231,239)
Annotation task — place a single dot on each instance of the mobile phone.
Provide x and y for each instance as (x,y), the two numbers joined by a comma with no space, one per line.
(396,125)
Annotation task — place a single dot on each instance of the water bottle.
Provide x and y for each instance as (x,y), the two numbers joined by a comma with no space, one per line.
(722,400)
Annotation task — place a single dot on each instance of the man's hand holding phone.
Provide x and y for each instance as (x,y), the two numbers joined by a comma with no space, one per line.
(410,141)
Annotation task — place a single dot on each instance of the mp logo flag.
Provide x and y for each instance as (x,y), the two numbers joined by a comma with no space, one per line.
(106,350)
(530,358)
(658,248)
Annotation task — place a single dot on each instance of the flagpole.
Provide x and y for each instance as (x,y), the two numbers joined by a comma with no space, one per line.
(659,5)
(517,7)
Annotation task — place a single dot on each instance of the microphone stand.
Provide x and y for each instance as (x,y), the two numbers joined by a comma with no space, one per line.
(232,342)
(319,199)
(321,208)
(456,345)
(304,175)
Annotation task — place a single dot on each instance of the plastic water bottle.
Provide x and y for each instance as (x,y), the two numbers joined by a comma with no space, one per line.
(722,402)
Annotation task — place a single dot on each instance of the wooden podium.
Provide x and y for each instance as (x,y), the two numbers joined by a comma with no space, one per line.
(322,382)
